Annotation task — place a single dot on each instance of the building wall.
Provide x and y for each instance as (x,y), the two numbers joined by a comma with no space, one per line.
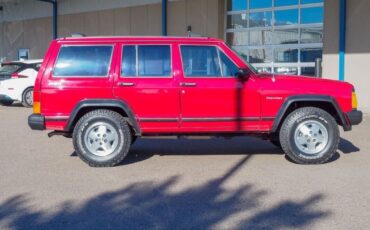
(205,17)
(357,56)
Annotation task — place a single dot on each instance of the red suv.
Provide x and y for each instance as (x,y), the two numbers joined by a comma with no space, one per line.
(107,91)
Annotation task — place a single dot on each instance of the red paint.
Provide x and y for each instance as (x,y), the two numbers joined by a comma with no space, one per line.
(256,101)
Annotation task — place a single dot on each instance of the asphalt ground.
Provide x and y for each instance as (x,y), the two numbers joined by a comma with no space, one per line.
(240,183)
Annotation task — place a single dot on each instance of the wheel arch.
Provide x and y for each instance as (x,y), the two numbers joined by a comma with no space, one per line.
(24,91)
(327,103)
(118,106)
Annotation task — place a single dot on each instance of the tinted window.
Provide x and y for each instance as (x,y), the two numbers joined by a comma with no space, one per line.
(205,61)
(200,61)
(128,61)
(85,61)
(9,69)
(153,60)
(228,67)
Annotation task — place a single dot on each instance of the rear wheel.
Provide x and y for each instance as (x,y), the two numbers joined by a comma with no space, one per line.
(27,98)
(102,138)
(309,135)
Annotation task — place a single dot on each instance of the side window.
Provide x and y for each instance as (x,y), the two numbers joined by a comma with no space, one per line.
(146,61)
(83,61)
(200,61)
(229,69)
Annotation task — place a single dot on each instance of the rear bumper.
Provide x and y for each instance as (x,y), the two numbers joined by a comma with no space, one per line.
(354,117)
(36,122)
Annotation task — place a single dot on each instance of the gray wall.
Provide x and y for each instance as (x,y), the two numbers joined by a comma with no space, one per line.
(205,17)
(357,57)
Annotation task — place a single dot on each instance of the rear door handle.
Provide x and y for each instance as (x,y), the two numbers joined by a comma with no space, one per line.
(188,84)
(126,84)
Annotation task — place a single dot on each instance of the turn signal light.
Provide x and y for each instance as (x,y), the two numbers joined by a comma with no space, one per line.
(36,108)
(36,102)
(354,100)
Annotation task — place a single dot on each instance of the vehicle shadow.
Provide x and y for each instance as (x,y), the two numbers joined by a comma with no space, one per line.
(347,147)
(144,149)
(149,205)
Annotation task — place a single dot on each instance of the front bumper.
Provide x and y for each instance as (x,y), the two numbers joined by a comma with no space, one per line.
(5,98)
(36,122)
(354,117)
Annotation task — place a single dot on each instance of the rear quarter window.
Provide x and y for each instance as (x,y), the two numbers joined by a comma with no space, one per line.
(8,69)
(83,61)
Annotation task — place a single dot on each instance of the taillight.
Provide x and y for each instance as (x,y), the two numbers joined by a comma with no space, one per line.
(36,102)
(16,76)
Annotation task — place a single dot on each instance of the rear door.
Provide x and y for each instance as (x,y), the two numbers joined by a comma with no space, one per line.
(147,83)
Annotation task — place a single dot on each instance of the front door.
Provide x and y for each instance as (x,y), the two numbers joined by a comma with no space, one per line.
(147,84)
(212,97)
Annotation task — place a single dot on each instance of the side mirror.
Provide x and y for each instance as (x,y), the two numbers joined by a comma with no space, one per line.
(243,74)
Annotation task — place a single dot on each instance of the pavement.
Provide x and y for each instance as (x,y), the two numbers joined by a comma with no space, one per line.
(240,183)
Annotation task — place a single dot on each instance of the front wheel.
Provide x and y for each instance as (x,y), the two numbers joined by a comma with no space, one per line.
(309,135)
(102,138)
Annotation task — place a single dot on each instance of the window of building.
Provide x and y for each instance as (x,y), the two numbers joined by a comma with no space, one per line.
(285,2)
(256,4)
(83,61)
(312,15)
(236,5)
(286,17)
(146,61)
(311,1)
(277,35)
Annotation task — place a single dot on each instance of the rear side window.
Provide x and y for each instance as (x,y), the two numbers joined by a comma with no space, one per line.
(8,69)
(83,61)
(146,61)
(206,61)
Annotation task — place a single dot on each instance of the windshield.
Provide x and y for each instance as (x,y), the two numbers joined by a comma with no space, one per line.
(242,58)
(9,69)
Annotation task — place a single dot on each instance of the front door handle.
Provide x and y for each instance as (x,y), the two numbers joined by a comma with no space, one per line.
(125,84)
(188,84)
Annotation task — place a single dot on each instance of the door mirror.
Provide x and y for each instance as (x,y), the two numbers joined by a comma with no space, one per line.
(243,74)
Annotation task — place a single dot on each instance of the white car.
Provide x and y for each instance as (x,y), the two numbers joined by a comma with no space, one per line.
(17,80)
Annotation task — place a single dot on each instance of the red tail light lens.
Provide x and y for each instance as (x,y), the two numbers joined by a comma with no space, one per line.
(16,76)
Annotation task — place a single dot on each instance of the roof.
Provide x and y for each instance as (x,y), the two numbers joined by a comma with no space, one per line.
(31,61)
(141,38)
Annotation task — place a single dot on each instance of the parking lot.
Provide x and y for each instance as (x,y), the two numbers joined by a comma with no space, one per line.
(179,184)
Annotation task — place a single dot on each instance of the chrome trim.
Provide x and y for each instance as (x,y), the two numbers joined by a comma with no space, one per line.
(215,119)
(158,119)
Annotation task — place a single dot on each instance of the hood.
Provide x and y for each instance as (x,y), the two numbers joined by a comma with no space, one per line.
(307,84)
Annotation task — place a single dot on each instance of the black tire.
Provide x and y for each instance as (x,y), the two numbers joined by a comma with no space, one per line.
(307,115)
(133,139)
(25,101)
(120,126)
(6,103)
